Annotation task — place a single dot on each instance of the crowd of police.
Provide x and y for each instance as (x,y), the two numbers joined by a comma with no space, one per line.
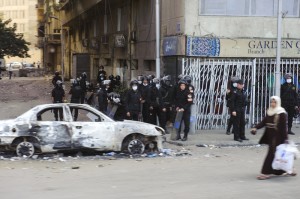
(237,101)
(157,101)
(149,99)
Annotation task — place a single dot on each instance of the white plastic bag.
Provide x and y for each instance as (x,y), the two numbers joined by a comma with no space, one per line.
(284,157)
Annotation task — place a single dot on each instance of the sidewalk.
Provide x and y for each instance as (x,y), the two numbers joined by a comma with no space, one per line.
(220,138)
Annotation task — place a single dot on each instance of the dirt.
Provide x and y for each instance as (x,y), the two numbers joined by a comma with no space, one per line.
(190,172)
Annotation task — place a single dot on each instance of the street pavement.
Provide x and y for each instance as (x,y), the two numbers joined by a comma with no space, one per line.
(204,138)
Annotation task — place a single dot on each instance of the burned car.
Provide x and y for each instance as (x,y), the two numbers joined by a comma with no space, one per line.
(81,127)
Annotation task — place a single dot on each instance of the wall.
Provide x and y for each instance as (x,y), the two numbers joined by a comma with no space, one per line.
(236,27)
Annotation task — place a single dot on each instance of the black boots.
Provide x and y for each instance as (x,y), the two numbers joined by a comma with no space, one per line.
(290,132)
(178,136)
(184,137)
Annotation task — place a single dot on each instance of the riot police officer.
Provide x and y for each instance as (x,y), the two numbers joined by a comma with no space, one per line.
(155,101)
(102,94)
(237,106)
(133,101)
(58,96)
(166,90)
(82,83)
(230,90)
(76,93)
(101,75)
(183,102)
(112,82)
(144,90)
(56,77)
(288,96)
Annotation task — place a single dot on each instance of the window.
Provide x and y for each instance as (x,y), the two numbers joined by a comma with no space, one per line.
(21,14)
(51,114)
(248,7)
(83,115)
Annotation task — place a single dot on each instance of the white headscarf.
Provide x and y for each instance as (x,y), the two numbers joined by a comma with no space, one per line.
(278,109)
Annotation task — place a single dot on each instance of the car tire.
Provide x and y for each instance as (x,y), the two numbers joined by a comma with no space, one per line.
(25,149)
(134,145)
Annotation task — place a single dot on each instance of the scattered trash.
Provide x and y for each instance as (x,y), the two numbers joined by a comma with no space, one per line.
(202,145)
(167,151)
(207,156)
(35,157)
(110,154)
(100,165)
(61,159)
(152,155)
(75,167)
(183,153)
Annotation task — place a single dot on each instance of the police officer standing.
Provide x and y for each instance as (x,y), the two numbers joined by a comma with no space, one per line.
(55,78)
(144,90)
(58,95)
(155,101)
(183,101)
(237,107)
(101,76)
(102,94)
(166,92)
(133,101)
(76,93)
(288,96)
(83,86)
(230,90)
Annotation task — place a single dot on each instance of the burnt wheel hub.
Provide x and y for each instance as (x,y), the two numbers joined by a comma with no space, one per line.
(136,147)
(25,149)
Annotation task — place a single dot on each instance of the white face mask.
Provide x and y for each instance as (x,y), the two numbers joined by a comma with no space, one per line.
(134,88)
(157,86)
(289,80)
(234,85)
(145,84)
(140,82)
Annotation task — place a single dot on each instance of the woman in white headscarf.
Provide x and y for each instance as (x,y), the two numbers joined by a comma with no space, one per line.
(274,135)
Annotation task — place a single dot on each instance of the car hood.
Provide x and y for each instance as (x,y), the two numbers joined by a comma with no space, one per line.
(142,125)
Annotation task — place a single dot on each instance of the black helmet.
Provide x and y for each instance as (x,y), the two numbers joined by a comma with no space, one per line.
(56,73)
(149,77)
(182,81)
(134,82)
(167,78)
(140,77)
(155,81)
(75,82)
(188,79)
(84,75)
(145,78)
(106,82)
(118,78)
(111,77)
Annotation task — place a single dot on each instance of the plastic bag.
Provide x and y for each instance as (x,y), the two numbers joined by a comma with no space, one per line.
(284,157)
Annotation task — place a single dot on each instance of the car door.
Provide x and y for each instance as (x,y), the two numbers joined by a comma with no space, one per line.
(53,135)
(90,131)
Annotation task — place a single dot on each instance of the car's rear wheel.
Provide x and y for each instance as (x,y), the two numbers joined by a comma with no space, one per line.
(25,149)
(134,145)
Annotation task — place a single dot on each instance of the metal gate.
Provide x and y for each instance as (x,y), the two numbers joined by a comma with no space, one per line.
(210,78)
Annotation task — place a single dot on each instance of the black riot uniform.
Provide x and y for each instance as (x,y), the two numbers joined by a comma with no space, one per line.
(82,83)
(144,90)
(58,95)
(183,101)
(133,101)
(56,78)
(154,100)
(231,89)
(101,76)
(102,95)
(288,96)
(166,92)
(76,93)
(238,102)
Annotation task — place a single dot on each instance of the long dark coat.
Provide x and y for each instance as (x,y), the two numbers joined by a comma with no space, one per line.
(274,135)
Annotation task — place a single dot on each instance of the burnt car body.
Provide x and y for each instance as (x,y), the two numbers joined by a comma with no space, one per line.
(36,131)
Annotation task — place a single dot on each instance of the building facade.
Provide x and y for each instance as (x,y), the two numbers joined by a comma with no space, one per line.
(22,12)
(117,34)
